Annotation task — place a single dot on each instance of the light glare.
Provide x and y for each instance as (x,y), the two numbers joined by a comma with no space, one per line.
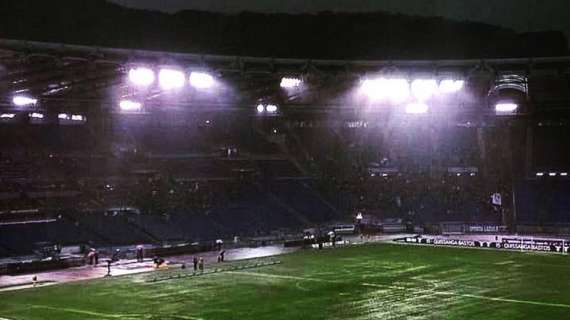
(36,115)
(271,108)
(506,107)
(450,86)
(24,101)
(395,90)
(417,108)
(424,89)
(171,79)
(63,116)
(201,80)
(141,76)
(260,108)
(290,82)
(128,105)
(7,115)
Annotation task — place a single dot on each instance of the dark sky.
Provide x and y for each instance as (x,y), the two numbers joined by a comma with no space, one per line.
(521,15)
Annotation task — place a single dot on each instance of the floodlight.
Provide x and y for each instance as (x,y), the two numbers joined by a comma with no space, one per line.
(77,117)
(450,86)
(423,89)
(128,105)
(271,108)
(260,108)
(540,174)
(563,174)
(21,101)
(171,79)
(399,90)
(63,116)
(7,115)
(290,82)
(506,107)
(552,174)
(201,80)
(395,90)
(372,89)
(36,115)
(417,108)
(141,76)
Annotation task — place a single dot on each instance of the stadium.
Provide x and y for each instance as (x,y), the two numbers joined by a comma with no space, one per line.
(307,176)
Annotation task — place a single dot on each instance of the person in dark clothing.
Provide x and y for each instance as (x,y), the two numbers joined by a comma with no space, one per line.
(116,255)
(140,250)
(109,261)
(221,256)
(195,261)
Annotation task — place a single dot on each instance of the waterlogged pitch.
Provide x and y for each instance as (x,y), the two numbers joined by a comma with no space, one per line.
(366,282)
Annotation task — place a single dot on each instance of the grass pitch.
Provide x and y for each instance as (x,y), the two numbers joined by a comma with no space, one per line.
(379,281)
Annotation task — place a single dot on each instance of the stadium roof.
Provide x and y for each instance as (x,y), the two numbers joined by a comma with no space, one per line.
(76,74)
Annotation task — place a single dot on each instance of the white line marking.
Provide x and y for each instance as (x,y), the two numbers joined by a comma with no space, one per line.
(278,276)
(108,315)
(474,296)
(415,291)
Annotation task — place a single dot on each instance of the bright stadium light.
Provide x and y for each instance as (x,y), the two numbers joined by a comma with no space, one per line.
(129,105)
(141,76)
(506,107)
(563,174)
(423,89)
(36,115)
(552,174)
(260,108)
(398,90)
(373,89)
(288,83)
(540,174)
(63,116)
(77,117)
(417,108)
(271,108)
(7,115)
(395,90)
(171,79)
(450,86)
(21,101)
(201,80)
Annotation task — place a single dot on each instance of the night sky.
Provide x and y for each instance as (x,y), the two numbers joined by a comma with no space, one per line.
(520,15)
